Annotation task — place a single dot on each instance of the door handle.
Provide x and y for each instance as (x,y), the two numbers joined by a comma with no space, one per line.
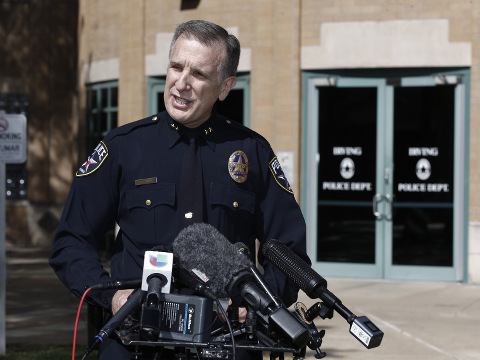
(377,198)
(389,199)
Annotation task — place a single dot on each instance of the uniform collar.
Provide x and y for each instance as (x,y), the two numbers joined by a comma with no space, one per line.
(206,131)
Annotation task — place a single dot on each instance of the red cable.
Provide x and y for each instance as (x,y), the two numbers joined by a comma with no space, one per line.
(76,322)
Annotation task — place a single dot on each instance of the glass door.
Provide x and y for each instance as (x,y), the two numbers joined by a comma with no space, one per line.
(346,123)
(425,237)
(383,161)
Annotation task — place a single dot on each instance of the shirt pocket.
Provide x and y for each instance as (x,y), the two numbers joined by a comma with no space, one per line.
(233,211)
(151,213)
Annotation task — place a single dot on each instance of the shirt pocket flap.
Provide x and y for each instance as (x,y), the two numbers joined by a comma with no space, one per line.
(151,196)
(233,198)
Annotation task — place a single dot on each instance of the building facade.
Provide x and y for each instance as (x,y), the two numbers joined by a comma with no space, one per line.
(371,105)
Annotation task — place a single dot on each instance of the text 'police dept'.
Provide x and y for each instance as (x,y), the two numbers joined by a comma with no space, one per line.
(346,186)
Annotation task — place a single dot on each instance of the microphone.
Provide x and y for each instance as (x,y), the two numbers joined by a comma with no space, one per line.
(156,279)
(229,275)
(295,268)
(201,249)
(192,281)
(134,300)
(245,251)
(315,286)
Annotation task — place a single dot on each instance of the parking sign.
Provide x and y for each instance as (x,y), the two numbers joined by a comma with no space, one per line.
(13,138)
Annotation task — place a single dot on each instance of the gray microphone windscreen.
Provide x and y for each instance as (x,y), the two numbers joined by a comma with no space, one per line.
(203,248)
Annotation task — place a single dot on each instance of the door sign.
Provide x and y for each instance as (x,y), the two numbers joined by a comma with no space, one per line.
(424,157)
(349,157)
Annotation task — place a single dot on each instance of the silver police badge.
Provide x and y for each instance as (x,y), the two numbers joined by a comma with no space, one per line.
(238,166)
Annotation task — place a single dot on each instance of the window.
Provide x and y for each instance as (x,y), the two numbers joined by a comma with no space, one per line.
(16,174)
(102,112)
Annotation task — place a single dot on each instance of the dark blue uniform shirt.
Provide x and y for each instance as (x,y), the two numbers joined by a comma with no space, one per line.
(132,179)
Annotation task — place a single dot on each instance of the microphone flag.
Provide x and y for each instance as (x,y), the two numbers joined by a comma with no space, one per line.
(157,262)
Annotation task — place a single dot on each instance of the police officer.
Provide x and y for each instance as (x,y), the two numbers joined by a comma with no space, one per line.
(133,179)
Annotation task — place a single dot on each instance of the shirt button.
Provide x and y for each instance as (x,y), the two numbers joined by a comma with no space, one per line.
(235,204)
(148,202)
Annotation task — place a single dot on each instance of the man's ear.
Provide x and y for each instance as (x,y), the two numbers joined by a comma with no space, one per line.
(226,86)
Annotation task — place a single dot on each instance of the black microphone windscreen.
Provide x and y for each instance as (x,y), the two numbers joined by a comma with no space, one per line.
(294,267)
(202,247)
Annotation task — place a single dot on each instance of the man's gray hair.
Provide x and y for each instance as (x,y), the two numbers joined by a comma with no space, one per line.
(208,33)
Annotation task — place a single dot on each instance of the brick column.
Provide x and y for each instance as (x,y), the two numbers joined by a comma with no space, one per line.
(275,91)
(132,82)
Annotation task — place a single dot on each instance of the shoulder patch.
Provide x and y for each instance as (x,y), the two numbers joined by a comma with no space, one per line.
(94,161)
(279,175)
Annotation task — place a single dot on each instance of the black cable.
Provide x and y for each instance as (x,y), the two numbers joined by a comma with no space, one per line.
(224,313)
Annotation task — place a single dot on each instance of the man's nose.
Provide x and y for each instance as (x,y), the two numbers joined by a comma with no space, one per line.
(183,82)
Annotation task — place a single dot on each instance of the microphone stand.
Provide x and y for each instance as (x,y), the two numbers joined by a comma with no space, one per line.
(221,346)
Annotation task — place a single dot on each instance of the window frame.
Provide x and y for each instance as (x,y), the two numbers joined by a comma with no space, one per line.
(95,130)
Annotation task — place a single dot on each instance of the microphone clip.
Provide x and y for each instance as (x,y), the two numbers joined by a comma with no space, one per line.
(319,309)
(316,337)
(233,288)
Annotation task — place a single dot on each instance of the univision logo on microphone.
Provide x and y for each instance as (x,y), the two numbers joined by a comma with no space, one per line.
(159,260)
(156,262)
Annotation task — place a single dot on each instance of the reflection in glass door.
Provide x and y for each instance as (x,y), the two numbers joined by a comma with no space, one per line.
(384,158)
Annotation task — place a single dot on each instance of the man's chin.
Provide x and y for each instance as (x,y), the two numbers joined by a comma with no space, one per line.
(180,116)
(185,117)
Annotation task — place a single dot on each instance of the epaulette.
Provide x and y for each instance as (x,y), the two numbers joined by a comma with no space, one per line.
(242,128)
(129,127)
(100,153)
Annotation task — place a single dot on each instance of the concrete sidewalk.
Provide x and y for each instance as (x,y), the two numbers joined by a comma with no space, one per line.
(39,309)
(420,320)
